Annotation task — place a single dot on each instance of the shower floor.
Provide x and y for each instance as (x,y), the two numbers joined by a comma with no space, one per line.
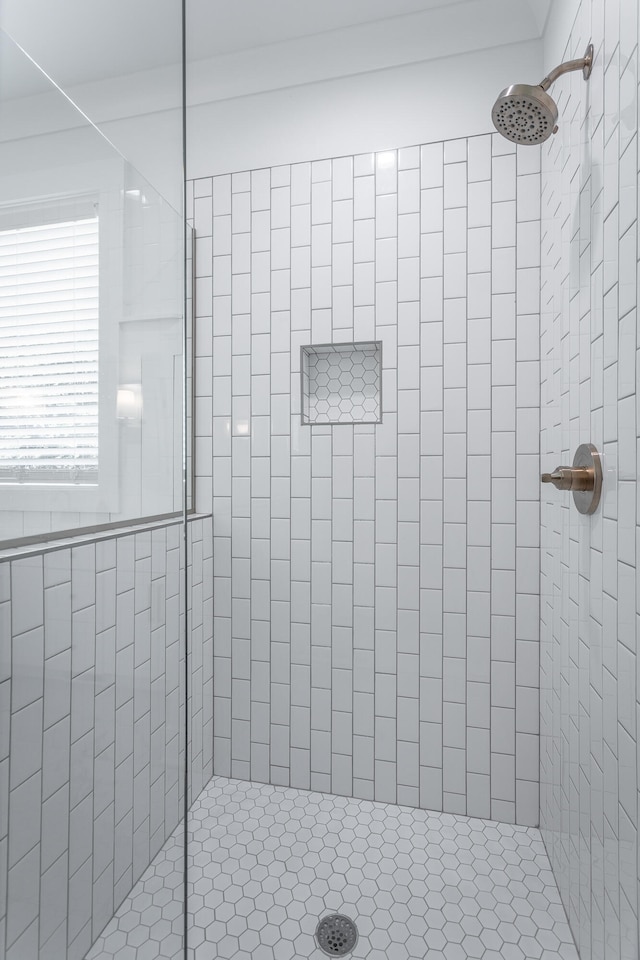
(266,863)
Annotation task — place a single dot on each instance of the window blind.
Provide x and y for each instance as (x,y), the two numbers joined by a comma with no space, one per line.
(49,352)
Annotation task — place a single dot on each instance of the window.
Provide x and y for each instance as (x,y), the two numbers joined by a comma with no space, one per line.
(49,305)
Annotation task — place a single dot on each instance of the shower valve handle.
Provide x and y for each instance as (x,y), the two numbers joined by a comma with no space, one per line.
(583,478)
(571,478)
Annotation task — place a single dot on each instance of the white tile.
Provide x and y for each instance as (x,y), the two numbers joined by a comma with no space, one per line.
(409,191)
(26,594)
(386,260)
(528,193)
(342,221)
(479,158)
(386,216)
(455,275)
(386,168)
(455,185)
(503,177)
(321,202)
(479,204)
(455,230)
(222,194)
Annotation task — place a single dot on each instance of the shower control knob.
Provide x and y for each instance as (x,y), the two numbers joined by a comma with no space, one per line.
(584,478)
(570,478)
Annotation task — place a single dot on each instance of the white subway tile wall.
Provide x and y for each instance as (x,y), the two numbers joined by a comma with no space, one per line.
(589,629)
(200,649)
(377,594)
(92,707)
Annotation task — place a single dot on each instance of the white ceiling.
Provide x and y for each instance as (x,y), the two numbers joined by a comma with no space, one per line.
(223,28)
(81,41)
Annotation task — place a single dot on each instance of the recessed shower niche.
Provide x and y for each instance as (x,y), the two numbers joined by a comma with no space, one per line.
(341,383)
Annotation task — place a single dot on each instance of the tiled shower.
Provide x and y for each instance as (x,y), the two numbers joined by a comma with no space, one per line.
(350,658)
(377,585)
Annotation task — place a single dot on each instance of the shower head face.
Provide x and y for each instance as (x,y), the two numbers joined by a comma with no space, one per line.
(525,114)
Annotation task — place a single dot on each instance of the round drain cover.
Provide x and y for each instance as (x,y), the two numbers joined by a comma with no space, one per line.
(337,935)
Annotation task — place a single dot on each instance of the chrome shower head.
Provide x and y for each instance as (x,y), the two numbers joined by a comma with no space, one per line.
(527,114)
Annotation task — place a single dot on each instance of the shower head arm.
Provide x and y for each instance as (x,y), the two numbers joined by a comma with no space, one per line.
(584,63)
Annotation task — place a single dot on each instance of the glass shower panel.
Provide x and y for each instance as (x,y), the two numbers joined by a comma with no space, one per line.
(91,322)
(93,692)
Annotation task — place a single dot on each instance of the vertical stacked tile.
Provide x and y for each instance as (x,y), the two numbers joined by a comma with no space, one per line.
(392,633)
(527,490)
(364,492)
(321,488)
(503,493)
(409,512)
(23,773)
(233,205)
(459,588)
(339,246)
(490,231)
(302,708)
(212,365)
(280,494)
(200,647)
(384,292)
(589,616)
(432,620)
(258,526)
(200,276)
(92,761)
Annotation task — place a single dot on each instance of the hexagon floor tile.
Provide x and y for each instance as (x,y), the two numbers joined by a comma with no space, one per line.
(266,863)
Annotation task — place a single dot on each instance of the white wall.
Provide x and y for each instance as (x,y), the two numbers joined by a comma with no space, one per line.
(422,102)
(121,63)
(590,697)
(368,87)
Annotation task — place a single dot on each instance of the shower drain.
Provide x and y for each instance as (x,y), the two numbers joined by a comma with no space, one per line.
(337,935)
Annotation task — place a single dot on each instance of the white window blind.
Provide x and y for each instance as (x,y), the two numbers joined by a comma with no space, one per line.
(49,352)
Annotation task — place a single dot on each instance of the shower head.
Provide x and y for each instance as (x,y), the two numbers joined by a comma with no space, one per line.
(527,114)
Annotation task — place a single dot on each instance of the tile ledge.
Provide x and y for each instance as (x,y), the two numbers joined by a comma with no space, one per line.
(20,551)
